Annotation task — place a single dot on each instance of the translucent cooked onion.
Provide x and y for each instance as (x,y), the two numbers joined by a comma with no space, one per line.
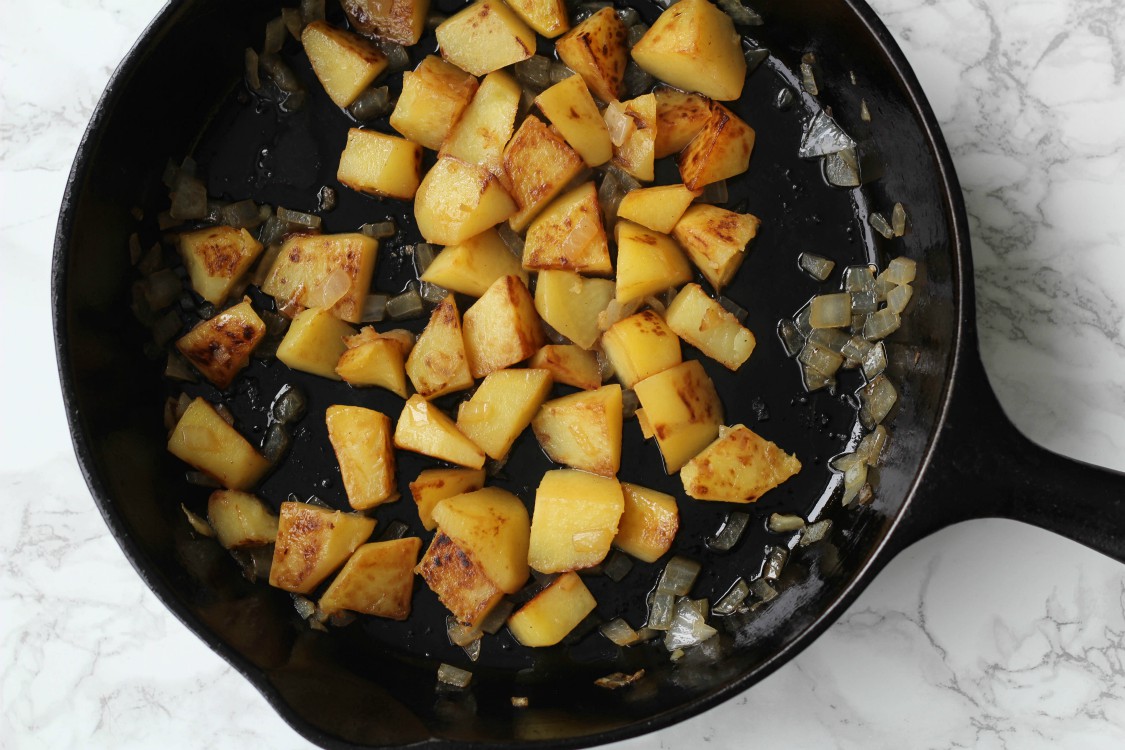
(883,286)
(729,534)
(871,446)
(330,290)
(241,215)
(605,367)
(808,79)
(881,324)
(189,198)
(714,193)
(293,22)
(830,311)
(496,618)
(734,308)
(379,230)
(253,79)
(616,311)
(879,223)
(832,339)
(661,610)
(780,523)
(875,361)
(535,71)
(280,73)
(289,405)
(432,294)
(901,270)
(864,112)
(814,380)
(637,80)
(679,576)
(629,403)
(775,563)
(511,238)
(876,400)
(854,479)
(372,104)
(397,56)
(448,674)
(761,589)
(299,218)
(824,137)
(423,254)
(275,36)
(732,600)
(610,193)
(560,72)
(276,443)
(394,530)
(842,168)
(858,279)
(406,305)
(636,31)
(854,351)
(305,607)
(820,359)
(616,566)
(791,338)
(899,297)
(177,368)
(619,124)
(628,16)
(688,627)
(739,13)
(198,523)
(618,631)
(619,679)
(458,634)
(785,98)
(816,266)
(815,532)
(864,303)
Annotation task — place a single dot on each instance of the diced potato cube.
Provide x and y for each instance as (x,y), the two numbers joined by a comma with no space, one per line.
(361,439)
(657,208)
(345,63)
(648,262)
(204,439)
(575,520)
(314,343)
(680,115)
(570,108)
(683,409)
(327,270)
(240,519)
(501,328)
(380,164)
(639,346)
(375,362)
(437,364)
(399,21)
(470,267)
(220,347)
(486,125)
(706,325)
(570,304)
(643,423)
(539,165)
(570,364)
(553,612)
(434,485)
(649,523)
(312,542)
(502,407)
(425,429)
(378,579)
(547,17)
(458,200)
(433,97)
(715,240)
(216,258)
(693,46)
(739,467)
(583,430)
(484,37)
(720,150)
(493,527)
(637,153)
(459,581)
(595,49)
(569,235)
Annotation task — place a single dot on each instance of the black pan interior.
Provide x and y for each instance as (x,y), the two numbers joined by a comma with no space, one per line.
(181,93)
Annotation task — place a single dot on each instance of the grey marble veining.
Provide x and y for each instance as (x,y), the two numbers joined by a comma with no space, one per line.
(987,635)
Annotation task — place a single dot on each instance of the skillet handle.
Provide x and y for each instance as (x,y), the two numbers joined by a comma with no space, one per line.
(983,467)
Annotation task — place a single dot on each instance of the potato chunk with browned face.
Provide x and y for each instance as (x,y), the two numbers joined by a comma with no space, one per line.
(595,49)
(492,526)
(739,467)
(548,17)
(553,613)
(345,63)
(720,150)
(458,200)
(216,258)
(575,520)
(649,523)
(502,407)
(437,364)
(399,21)
(501,328)
(424,428)
(434,485)
(220,347)
(715,240)
(380,164)
(680,115)
(583,430)
(433,97)
(331,271)
(705,324)
(539,164)
(378,579)
(312,542)
(568,235)
(361,439)
(484,37)
(204,439)
(459,582)
(683,410)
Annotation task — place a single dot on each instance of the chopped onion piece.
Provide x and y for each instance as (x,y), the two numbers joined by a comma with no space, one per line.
(511,238)
(780,523)
(275,36)
(293,22)
(875,361)
(901,270)
(629,403)
(406,305)
(864,303)
(816,266)
(493,466)
(423,254)
(496,618)
(820,359)
(854,351)
(854,479)
(372,104)
(775,563)
(395,530)
(276,443)
(714,193)
(814,380)
(790,336)
(312,10)
(842,168)
(450,675)
(289,405)
(830,338)
(731,601)
(472,650)
(618,631)
(374,308)
(330,290)
(815,532)
(298,218)
(729,534)
(899,297)
(619,679)
(864,112)
(605,367)
(785,98)
(560,72)
(535,71)
(432,294)
(808,79)
(617,566)
(253,79)
(305,606)
(636,31)
(898,220)
(397,56)
(755,56)
(198,522)
(661,610)
(739,13)
(830,310)
(619,124)
(879,223)
(281,73)
(688,627)
(824,137)
(189,198)
(679,575)
(176,367)
(881,324)
(379,230)
(734,308)
(628,16)
(858,279)
(883,286)
(876,400)
(460,635)
(866,495)
(761,588)
(241,215)
(871,447)
(637,80)
(610,194)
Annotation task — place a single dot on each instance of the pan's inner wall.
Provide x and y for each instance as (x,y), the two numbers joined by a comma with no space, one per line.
(185,96)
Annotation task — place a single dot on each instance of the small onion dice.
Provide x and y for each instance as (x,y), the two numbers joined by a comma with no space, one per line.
(875,361)
(679,576)
(791,338)
(619,632)
(781,523)
(899,297)
(876,400)
(830,311)
(448,674)
(879,223)
(901,270)
(731,531)
(815,532)
(816,266)
(881,324)
(775,563)
(898,220)
(733,599)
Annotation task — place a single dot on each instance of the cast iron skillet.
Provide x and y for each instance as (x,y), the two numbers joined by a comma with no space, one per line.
(953,454)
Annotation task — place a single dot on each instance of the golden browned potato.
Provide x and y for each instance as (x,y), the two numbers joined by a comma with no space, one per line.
(553,612)
(683,410)
(575,520)
(332,271)
(459,581)
(680,115)
(433,97)
(570,304)
(502,407)
(570,108)
(693,46)
(538,164)
(657,208)
(470,267)
(373,360)
(570,364)
(216,258)
(568,235)
(380,164)
(739,467)
(648,262)
(706,325)
(240,519)
(378,579)
(486,125)
(361,439)
(715,240)
(399,21)
(315,342)
(583,430)
(649,523)
(458,200)
(434,485)
(312,542)
(595,49)
(639,346)
(547,17)
(204,439)
(484,37)
(220,347)
(425,429)
(636,154)
(437,364)
(492,526)
(501,328)
(345,63)
(720,150)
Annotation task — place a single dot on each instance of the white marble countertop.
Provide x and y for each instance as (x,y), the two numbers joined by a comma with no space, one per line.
(989,634)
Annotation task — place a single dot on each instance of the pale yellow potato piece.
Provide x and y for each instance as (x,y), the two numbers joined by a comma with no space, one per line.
(492,526)
(643,423)
(315,342)
(470,267)
(575,520)
(361,439)
(433,97)
(570,364)
(596,50)
(484,37)
(345,63)
(683,411)
(639,346)
(378,579)
(434,485)
(657,208)
(706,325)
(326,270)
(583,430)
(216,258)
(570,304)
(501,328)
(538,164)
(240,519)
(425,429)
(377,362)
(680,115)
(437,364)
(715,240)
(401,21)
(487,124)
(458,200)
(553,612)
(636,155)
(547,17)
(568,235)
(458,580)
(570,108)
(720,150)
(501,407)
(739,467)
(693,46)
(312,542)
(220,347)
(648,524)
(380,164)
(204,439)
(648,262)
